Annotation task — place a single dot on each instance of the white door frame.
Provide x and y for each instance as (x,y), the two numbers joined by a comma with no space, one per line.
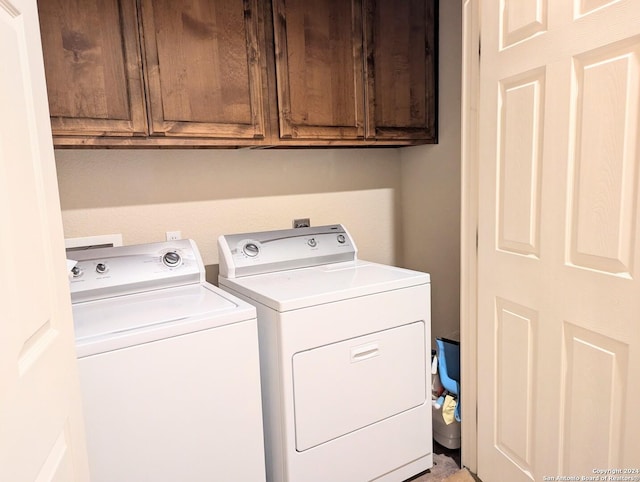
(469,229)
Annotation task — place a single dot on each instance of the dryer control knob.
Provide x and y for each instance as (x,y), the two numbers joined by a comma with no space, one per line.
(76,272)
(101,268)
(312,242)
(172,259)
(341,238)
(251,250)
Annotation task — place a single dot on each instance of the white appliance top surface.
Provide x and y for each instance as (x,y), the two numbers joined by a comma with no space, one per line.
(304,287)
(121,321)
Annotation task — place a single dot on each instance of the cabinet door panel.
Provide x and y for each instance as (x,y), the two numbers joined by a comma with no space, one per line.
(205,67)
(319,68)
(93,67)
(401,69)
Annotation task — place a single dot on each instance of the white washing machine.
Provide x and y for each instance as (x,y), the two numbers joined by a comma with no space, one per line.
(344,354)
(169,368)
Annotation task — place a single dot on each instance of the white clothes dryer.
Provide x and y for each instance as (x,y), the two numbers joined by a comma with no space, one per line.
(344,353)
(169,368)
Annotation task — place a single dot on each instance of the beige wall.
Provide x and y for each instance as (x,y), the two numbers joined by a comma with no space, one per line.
(431,187)
(141,194)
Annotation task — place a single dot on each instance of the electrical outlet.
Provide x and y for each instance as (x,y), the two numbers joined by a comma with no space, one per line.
(173,235)
(301,223)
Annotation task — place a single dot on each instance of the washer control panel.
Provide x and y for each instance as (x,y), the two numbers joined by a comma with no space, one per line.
(106,272)
(267,251)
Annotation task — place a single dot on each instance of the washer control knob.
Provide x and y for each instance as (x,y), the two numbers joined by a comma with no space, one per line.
(341,238)
(312,242)
(251,250)
(76,272)
(101,268)
(172,259)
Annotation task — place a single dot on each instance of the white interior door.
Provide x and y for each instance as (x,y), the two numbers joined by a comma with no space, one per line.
(41,432)
(559,240)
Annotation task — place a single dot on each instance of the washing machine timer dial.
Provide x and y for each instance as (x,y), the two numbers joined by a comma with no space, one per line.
(251,249)
(172,259)
(101,268)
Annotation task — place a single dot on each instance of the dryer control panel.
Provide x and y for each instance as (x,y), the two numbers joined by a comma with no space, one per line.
(107,272)
(247,254)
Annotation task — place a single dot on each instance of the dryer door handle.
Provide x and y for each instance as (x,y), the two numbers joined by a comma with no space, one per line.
(364,352)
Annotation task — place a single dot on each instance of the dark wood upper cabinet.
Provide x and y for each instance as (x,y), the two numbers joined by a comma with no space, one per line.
(93,67)
(400,45)
(240,72)
(356,70)
(204,63)
(319,68)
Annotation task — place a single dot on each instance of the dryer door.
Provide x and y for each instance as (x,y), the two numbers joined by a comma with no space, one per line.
(345,386)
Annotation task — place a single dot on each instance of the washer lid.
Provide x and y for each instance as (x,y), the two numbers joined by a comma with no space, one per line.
(301,288)
(113,323)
